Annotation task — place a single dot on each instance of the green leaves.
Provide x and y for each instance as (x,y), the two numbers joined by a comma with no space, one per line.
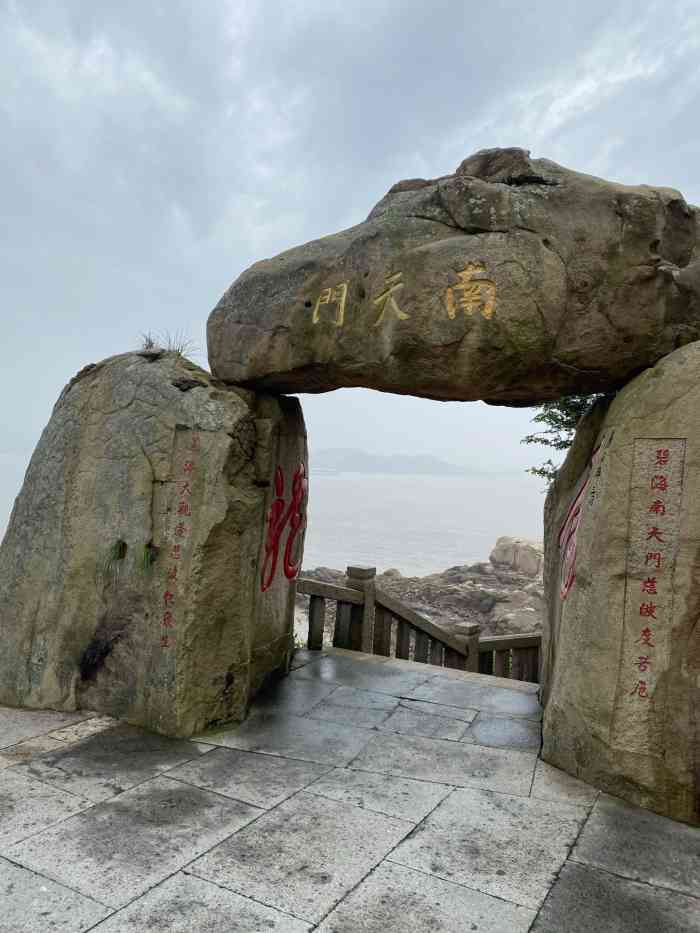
(561,418)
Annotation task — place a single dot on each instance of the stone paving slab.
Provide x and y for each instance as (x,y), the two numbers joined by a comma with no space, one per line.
(293,696)
(109,763)
(360,716)
(294,737)
(407,800)
(303,856)
(363,674)
(27,806)
(260,780)
(416,722)
(354,707)
(117,850)
(501,700)
(504,732)
(445,762)
(362,828)
(394,899)
(83,730)
(16,725)
(30,903)
(467,677)
(435,709)
(186,904)
(641,845)
(508,847)
(28,750)
(362,699)
(303,656)
(586,900)
(552,784)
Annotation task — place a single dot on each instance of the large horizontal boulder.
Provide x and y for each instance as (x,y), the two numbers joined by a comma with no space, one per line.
(621,642)
(513,280)
(147,568)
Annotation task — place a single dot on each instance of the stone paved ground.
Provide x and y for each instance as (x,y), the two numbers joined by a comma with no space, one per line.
(362,794)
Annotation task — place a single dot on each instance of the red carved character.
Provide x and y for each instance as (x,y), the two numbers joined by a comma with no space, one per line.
(166,641)
(180,530)
(654,557)
(648,610)
(643,663)
(656,533)
(567,544)
(662,456)
(641,688)
(168,598)
(660,483)
(183,508)
(649,586)
(168,620)
(185,489)
(188,466)
(278,517)
(645,638)
(658,507)
(176,552)
(172,573)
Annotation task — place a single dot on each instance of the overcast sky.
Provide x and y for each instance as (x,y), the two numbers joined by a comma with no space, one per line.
(151,151)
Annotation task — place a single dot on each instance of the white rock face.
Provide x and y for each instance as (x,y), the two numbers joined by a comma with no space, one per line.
(519,554)
(141,574)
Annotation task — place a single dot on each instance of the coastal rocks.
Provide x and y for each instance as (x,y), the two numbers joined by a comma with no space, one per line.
(622,639)
(511,280)
(140,574)
(500,600)
(519,554)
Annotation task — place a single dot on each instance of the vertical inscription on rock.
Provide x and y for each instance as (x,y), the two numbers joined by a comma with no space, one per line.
(656,487)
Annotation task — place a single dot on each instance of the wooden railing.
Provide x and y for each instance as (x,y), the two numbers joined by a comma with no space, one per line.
(513,656)
(371,620)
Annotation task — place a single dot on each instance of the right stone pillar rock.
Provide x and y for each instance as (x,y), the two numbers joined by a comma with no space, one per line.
(621,646)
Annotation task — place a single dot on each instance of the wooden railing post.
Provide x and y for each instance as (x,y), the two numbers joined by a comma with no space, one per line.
(317,622)
(471,632)
(382,631)
(343,621)
(362,623)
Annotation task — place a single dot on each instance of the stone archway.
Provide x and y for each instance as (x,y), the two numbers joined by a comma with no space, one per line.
(516,281)
(512,281)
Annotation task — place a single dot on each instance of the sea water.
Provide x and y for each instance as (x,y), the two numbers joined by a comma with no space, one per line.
(419,524)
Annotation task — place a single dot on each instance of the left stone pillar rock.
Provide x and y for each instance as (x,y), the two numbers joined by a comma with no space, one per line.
(148,567)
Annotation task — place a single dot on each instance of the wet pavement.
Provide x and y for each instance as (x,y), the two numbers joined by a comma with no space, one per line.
(361,794)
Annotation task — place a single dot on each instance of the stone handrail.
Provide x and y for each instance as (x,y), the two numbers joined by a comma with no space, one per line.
(371,620)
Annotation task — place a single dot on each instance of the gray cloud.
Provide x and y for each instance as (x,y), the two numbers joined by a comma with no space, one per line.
(152,151)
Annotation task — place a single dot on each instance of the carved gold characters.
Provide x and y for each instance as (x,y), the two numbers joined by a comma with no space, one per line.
(471,294)
(474,293)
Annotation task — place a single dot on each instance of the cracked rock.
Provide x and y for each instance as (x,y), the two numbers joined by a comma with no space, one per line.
(513,280)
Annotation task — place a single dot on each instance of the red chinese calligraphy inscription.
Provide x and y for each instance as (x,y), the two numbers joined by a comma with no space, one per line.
(568,535)
(279,516)
(655,490)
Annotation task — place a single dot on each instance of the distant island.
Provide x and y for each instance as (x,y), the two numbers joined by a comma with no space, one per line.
(348,460)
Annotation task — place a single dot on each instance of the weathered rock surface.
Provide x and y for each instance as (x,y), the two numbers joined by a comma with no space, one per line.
(501,600)
(622,639)
(132,571)
(514,280)
(519,554)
